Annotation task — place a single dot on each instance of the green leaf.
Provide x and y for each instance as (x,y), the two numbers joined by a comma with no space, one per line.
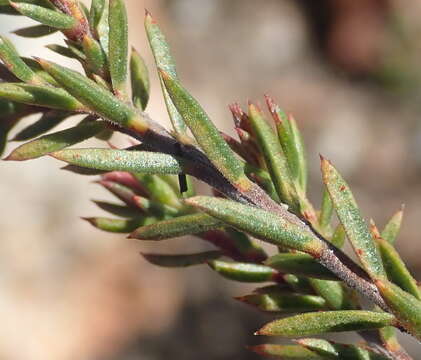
(96,97)
(285,352)
(154,207)
(405,306)
(391,230)
(292,143)
(95,13)
(122,226)
(206,134)
(121,160)
(103,28)
(140,80)
(259,223)
(158,189)
(326,211)
(299,284)
(95,56)
(35,31)
(118,46)
(299,264)
(15,64)
(352,221)
(63,51)
(274,157)
(246,246)
(56,141)
(338,237)
(45,96)
(45,16)
(330,350)
(82,171)
(396,269)
(284,301)
(337,298)
(244,272)
(116,209)
(327,321)
(183,260)
(47,121)
(164,61)
(39,71)
(179,226)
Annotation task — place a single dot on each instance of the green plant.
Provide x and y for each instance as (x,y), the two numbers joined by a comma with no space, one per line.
(259,183)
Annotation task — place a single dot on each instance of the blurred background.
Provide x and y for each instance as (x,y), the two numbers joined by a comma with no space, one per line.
(348,71)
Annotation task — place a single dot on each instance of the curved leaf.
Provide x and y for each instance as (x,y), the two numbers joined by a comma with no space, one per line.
(182,260)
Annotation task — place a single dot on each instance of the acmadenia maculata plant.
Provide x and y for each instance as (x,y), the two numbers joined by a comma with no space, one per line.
(259,184)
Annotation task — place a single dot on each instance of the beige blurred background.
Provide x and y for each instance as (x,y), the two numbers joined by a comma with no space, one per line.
(348,71)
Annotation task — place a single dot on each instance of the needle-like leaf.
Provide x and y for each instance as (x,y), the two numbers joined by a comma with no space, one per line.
(244,272)
(118,46)
(121,160)
(181,260)
(45,16)
(352,221)
(327,321)
(56,141)
(179,226)
(260,223)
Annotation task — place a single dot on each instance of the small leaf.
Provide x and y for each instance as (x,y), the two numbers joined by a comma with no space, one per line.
(95,56)
(274,157)
(118,210)
(179,226)
(63,51)
(45,96)
(158,189)
(299,264)
(183,260)
(121,160)
(96,97)
(285,352)
(118,46)
(284,301)
(35,31)
(337,298)
(206,134)
(260,223)
(405,306)
(39,71)
(244,272)
(103,28)
(47,121)
(327,321)
(292,143)
(15,64)
(299,284)
(246,246)
(95,13)
(326,211)
(164,61)
(140,80)
(391,230)
(332,350)
(122,226)
(352,221)
(338,237)
(45,16)
(155,208)
(56,141)
(396,269)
